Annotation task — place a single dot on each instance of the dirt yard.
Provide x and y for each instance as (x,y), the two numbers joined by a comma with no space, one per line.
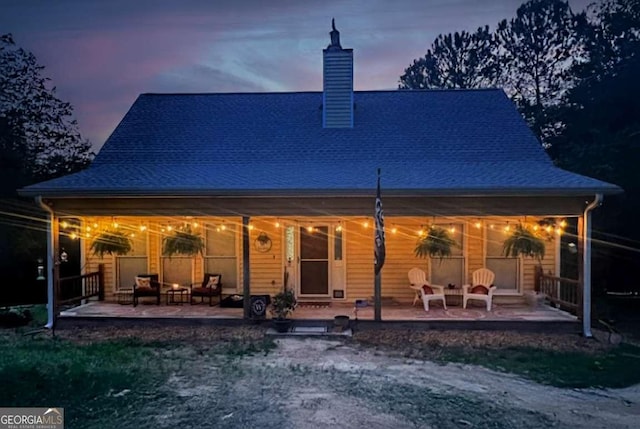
(320,383)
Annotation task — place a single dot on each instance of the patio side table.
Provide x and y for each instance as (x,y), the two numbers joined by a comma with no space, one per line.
(453,296)
(124,296)
(178,296)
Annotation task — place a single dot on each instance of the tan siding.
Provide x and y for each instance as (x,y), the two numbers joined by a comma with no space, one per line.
(359,259)
(475,248)
(548,265)
(266,267)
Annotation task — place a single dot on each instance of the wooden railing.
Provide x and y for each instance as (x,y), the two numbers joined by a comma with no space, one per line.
(565,293)
(74,289)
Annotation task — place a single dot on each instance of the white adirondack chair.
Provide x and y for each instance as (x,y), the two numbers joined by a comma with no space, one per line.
(482,277)
(418,279)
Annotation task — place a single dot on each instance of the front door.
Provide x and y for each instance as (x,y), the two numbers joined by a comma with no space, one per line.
(314,261)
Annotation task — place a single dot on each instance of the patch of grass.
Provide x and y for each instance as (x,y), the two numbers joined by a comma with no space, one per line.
(615,367)
(104,383)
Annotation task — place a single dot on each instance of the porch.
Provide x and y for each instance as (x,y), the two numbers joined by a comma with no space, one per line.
(391,312)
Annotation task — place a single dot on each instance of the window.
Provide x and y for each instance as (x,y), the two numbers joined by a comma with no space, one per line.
(220,253)
(506,268)
(133,263)
(450,270)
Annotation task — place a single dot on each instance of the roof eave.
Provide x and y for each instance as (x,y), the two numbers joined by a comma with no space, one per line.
(265,193)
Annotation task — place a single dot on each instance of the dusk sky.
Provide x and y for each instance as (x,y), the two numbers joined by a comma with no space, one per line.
(100,54)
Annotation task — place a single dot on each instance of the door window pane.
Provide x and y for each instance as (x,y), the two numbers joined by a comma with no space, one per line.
(315,244)
(337,244)
(314,277)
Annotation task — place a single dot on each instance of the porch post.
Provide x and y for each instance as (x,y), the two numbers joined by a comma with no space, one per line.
(377,294)
(246,272)
(50,264)
(586,295)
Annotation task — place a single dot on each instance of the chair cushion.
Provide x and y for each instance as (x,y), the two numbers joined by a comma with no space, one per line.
(142,282)
(427,290)
(202,290)
(145,289)
(213,282)
(480,290)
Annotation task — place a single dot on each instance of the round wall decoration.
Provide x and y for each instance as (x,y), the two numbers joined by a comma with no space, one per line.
(263,243)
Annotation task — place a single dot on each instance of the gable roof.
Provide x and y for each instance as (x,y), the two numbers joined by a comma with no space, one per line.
(427,142)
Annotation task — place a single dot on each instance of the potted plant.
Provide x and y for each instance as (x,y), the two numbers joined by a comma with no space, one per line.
(282,305)
(183,241)
(524,241)
(435,244)
(111,242)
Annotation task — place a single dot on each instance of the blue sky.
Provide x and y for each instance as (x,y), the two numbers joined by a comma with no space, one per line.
(100,54)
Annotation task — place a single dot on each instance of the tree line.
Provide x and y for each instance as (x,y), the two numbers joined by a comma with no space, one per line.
(574,77)
(39,140)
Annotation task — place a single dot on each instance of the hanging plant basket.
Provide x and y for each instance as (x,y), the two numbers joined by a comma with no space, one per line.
(112,243)
(524,241)
(436,244)
(183,242)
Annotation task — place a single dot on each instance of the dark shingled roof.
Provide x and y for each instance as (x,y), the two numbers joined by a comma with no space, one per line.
(442,142)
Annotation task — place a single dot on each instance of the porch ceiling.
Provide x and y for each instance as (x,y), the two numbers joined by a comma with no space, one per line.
(323,206)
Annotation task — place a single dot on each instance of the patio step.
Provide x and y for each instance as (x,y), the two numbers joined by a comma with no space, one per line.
(311,331)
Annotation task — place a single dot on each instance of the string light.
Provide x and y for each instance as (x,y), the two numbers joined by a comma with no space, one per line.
(250,227)
(394,230)
(452,229)
(73,236)
(64,224)
(143,228)
(169,228)
(339,228)
(563,223)
(195,224)
(310,228)
(95,225)
(365,224)
(277,224)
(478,225)
(558,231)
(224,227)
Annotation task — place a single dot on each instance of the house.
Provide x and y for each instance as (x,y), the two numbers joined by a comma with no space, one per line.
(299,170)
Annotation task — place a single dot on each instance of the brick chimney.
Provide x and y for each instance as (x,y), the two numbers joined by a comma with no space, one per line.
(337,85)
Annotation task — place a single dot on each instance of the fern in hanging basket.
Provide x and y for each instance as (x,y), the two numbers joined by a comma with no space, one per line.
(436,244)
(183,242)
(112,243)
(524,241)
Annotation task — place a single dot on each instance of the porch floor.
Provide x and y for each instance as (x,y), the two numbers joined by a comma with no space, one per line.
(390,312)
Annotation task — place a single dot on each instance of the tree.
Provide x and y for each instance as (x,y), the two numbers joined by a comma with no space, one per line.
(39,140)
(50,139)
(458,60)
(602,135)
(537,50)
